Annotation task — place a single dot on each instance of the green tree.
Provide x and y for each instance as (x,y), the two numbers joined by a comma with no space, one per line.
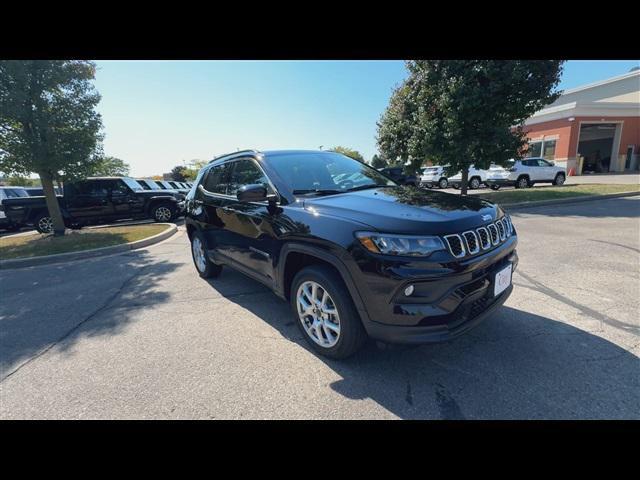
(467,112)
(19,181)
(349,152)
(395,127)
(177,173)
(110,167)
(378,162)
(48,123)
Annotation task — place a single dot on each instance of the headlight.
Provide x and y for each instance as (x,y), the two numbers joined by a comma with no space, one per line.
(407,245)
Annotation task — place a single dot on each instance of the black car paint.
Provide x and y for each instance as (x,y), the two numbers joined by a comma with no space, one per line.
(258,238)
(78,209)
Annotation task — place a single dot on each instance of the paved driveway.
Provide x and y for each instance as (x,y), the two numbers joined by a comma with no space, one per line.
(140,335)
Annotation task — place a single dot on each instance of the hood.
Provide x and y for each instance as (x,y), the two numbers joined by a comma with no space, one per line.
(407,210)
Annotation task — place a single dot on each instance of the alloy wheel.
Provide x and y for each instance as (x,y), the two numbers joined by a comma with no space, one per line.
(318,314)
(45,224)
(163,214)
(198,254)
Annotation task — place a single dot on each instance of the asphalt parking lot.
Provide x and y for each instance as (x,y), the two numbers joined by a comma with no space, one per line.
(140,335)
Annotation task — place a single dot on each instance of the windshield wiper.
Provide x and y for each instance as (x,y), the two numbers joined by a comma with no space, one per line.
(368,185)
(319,191)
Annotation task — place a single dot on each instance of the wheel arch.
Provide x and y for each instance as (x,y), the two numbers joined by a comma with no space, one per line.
(294,257)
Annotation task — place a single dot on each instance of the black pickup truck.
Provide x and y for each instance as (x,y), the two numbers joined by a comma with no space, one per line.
(97,200)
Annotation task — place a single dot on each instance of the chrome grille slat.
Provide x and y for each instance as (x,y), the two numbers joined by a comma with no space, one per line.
(485,240)
(456,246)
(471,239)
(493,231)
(501,230)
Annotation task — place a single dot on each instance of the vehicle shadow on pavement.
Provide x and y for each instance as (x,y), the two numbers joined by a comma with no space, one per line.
(515,365)
(60,309)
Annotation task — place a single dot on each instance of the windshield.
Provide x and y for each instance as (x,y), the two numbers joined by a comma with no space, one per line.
(132,184)
(16,192)
(325,172)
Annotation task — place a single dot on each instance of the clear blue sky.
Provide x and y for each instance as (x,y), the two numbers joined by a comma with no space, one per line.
(157,114)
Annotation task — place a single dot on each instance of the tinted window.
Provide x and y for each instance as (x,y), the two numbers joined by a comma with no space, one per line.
(96,188)
(132,184)
(16,192)
(118,188)
(246,172)
(216,180)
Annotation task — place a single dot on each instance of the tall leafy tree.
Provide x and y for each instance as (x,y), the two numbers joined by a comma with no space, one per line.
(48,123)
(178,173)
(378,161)
(110,167)
(395,127)
(470,112)
(349,152)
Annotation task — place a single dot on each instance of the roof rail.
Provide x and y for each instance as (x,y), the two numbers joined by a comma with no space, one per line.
(239,152)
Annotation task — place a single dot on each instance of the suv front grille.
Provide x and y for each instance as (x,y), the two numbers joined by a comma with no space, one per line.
(456,247)
(472,242)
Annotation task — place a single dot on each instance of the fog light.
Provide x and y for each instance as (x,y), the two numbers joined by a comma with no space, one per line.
(409,290)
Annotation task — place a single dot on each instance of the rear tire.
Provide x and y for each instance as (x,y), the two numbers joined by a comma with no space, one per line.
(44,223)
(443,183)
(350,335)
(205,267)
(163,212)
(474,183)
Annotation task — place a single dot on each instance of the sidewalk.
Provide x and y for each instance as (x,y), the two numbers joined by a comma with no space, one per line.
(610,178)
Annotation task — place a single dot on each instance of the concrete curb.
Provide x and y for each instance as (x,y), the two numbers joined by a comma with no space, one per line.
(96,252)
(566,201)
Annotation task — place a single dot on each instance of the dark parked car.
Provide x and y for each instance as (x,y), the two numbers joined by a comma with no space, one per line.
(10,192)
(97,200)
(357,257)
(400,177)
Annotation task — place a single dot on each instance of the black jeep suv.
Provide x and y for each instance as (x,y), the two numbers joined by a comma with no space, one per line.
(354,257)
(97,200)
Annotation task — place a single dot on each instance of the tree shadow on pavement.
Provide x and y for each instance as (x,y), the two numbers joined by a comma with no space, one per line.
(56,305)
(624,207)
(515,365)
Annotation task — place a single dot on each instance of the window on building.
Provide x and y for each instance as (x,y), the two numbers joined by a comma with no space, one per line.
(535,149)
(549,149)
(544,148)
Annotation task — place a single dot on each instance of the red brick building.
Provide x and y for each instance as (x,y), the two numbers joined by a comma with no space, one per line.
(594,128)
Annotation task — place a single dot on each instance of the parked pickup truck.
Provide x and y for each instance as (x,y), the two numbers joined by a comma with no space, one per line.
(97,200)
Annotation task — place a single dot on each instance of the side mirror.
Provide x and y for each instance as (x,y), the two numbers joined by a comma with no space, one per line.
(252,193)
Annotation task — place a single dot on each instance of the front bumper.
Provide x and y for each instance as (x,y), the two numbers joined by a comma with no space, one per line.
(467,316)
(447,299)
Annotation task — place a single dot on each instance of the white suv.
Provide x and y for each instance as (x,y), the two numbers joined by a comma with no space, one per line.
(434,176)
(476,178)
(529,171)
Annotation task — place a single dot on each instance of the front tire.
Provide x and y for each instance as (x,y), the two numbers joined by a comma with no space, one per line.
(205,267)
(474,183)
(559,180)
(325,312)
(523,182)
